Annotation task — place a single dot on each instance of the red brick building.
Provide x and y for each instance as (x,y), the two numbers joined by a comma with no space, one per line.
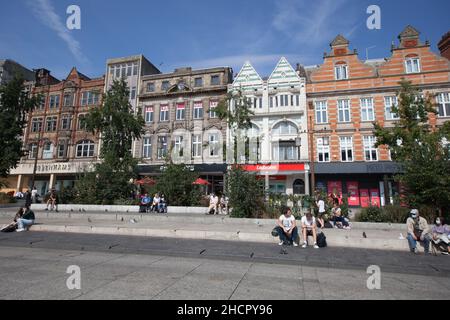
(58,145)
(347,95)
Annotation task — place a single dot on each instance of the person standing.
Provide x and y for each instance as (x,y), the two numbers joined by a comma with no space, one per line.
(34,194)
(418,231)
(28,198)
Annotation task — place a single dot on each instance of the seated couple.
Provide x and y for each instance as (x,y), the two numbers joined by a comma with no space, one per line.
(288,232)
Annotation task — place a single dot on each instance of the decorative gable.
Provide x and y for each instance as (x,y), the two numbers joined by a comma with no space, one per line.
(409,37)
(283,75)
(248,78)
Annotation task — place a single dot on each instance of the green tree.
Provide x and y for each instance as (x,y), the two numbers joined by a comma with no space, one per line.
(118,126)
(421,150)
(245,192)
(176,184)
(15,104)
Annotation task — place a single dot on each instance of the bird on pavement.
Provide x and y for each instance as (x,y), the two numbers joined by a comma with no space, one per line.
(364,235)
(89,220)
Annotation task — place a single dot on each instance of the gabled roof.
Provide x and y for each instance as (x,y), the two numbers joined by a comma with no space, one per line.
(247,77)
(75,73)
(409,32)
(283,73)
(339,40)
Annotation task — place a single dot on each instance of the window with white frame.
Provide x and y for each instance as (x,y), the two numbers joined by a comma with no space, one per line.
(135,69)
(214,144)
(148,114)
(285,127)
(180,112)
(133,93)
(47,152)
(66,122)
(367,110)
(82,122)
(344,110)
(321,111)
(41,105)
(147,148)
(341,71)
(178,147)
(370,152)
(196,145)
(85,149)
(443,100)
(346,144)
(90,98)
(163,113)
(412,65)
(198,110)
(68,100)
(62,149)
(162,147)
(36,124)
(54,101)
(323,149)
(51,124)
(285,151)
(212,109)
(33,151)
(388,103)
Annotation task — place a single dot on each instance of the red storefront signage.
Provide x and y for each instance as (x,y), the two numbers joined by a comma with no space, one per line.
(374,197)
(353,193)
(273,168)
(335,187)
(365,199)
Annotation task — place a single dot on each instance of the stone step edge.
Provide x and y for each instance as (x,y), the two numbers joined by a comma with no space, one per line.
(380,244)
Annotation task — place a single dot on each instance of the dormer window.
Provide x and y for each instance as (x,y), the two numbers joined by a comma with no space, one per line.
(412,64)
(341,71)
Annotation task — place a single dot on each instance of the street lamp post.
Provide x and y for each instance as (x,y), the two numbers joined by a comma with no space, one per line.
(311,143)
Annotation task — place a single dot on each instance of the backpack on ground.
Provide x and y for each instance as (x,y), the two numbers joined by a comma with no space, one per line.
(9,228)
(321,240)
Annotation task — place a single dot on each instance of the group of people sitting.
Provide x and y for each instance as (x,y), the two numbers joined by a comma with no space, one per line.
(216,205)
(419,232)
(288,232)
(157,203)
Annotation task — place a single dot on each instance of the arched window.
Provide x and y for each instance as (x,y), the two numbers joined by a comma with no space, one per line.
(47,153)
(85,149)
(299,186)
(285,127)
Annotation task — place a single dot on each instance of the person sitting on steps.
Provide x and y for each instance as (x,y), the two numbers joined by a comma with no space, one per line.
(26,221)
(418,231)
(287,228)
(309,228)
(52,201)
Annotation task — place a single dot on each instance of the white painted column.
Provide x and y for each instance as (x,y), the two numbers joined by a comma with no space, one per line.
(52,181)
(19,183)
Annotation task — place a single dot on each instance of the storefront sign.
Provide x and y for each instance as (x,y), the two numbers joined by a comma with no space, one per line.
(53,168)
(374,197)
(274,168)
(365,199)
(353,193)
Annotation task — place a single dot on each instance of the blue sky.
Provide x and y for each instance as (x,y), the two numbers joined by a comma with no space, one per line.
(205,33)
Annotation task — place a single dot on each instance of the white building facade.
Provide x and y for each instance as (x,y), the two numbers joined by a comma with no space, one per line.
(279,133)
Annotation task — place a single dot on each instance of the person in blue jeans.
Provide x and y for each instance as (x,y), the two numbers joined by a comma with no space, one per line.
(287,228)
(26,221)
(418,231)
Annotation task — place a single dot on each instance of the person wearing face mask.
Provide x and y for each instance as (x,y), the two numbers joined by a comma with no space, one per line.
(418,231)
(440,235)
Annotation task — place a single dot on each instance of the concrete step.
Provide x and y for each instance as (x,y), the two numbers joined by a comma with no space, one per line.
(182,217)
(376,239)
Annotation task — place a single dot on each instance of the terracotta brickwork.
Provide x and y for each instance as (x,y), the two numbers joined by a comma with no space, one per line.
(375,80)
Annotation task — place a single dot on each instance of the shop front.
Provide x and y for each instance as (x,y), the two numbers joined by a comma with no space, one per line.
(283,178)
(363,184)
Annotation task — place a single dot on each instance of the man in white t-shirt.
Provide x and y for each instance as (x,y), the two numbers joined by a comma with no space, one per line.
(287,228)
(321,206)
(309,229)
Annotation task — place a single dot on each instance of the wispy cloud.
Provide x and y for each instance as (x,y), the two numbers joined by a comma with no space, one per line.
(313,22)
(45,12)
